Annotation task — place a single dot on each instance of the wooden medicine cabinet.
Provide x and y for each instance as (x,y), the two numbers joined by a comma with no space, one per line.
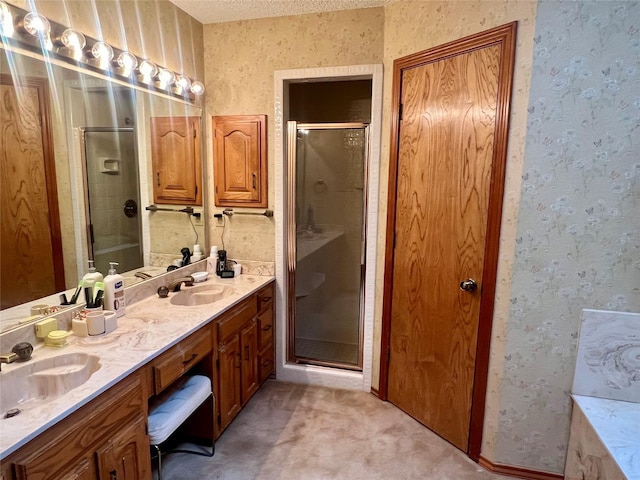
(240,160)
(175,153)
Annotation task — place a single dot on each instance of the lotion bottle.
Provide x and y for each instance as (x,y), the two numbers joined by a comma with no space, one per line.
(212,260)
(114,291)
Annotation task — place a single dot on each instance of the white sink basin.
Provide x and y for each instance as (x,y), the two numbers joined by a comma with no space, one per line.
(42,380)
(192,296)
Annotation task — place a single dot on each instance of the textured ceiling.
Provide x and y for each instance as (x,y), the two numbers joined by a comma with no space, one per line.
(216,11)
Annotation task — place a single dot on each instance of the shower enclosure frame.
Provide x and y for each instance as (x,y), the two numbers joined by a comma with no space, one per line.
(367,379)
(291,231)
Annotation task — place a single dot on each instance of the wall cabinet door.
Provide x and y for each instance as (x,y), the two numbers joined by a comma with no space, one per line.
(123,456)
(176,158)
(229,399)
(240,160)
(249,370)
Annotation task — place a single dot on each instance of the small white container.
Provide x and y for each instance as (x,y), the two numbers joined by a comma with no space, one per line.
(200,276)
(79,327)
(237,269)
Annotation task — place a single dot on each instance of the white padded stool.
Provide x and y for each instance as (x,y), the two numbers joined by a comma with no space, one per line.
(173,407)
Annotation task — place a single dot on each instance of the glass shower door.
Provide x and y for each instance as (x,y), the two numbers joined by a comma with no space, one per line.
(327,185)
(113,198)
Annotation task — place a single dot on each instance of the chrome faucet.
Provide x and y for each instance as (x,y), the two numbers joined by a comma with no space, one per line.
(176,284)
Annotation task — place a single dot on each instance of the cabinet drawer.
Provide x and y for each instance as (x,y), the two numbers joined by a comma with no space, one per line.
(266,363)
(180,358)
(265,297)
(236,318)
(265,328)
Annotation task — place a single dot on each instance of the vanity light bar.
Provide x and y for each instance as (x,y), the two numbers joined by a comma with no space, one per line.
(35,31)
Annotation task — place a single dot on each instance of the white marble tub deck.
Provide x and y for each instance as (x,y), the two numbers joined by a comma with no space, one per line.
(617,424)
(150,327)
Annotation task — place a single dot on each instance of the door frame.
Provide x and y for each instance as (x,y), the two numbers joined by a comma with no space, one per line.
(505,37)
(312,374)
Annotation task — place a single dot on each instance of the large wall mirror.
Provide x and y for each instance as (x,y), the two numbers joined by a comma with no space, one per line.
(79,165)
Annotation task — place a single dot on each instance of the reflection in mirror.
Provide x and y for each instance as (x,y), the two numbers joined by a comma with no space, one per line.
(77,176)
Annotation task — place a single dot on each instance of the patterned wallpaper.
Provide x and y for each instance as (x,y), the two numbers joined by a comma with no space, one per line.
(240,60)
(578,236)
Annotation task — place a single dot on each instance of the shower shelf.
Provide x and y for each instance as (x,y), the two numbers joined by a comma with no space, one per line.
(308,284)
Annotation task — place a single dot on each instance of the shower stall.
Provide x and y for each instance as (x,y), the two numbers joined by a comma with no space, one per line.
(326,226)
(112,197)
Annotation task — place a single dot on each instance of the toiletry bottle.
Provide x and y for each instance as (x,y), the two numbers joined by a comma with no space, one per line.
(91,277)
(114,291)
(212,260)
(197,253)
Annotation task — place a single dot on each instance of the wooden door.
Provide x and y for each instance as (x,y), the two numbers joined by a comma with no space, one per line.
(249,343)
(444,228)
(176,158)
(229,400)
(240,160)
(31,246)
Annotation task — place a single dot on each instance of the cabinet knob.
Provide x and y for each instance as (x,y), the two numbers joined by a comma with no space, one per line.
(113,475)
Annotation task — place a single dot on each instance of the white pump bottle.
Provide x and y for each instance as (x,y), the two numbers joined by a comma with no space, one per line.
(114,291)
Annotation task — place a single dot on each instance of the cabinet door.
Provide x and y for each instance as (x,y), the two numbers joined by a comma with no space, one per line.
(229,378)
(250,373)
(175,154)
(240,160)
(123,456)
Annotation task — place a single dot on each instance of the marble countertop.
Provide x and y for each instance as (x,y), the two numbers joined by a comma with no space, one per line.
(617,424)
(148,328)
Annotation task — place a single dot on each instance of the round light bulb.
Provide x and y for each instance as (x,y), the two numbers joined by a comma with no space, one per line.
(127,61)
(166,77)
(197,88)
(36,24)
(102,51)
(72,39)
(183,82)
(147,68)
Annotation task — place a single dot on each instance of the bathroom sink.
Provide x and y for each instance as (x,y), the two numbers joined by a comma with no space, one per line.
(192,296)
(42,380)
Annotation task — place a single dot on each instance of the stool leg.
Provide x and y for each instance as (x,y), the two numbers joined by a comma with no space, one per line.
(157,447)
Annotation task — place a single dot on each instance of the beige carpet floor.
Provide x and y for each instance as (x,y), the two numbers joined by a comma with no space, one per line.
(290,431)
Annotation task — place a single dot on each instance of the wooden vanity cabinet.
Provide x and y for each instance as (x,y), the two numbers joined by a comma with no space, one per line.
(104,440)
(245,353)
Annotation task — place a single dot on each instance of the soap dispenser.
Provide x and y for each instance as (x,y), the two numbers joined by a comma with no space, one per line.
(114,291)
(91,277)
